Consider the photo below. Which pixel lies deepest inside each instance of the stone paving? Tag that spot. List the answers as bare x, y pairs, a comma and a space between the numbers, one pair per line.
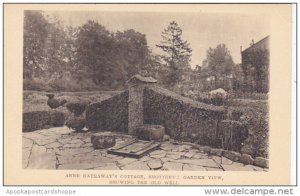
63, 149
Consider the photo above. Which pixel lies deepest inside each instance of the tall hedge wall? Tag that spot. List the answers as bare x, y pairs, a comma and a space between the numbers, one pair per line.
40, 119
109, 115
181, 116
234, 133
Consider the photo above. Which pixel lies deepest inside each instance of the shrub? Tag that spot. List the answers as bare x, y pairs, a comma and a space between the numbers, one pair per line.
260, 106
245, 95
76, 124
62, 85
68, 84
236, 114
76, 108
218, 96
35, 120
109, 115
39, 119
234, 133
56, 119
35, 84
183, 118
258, 141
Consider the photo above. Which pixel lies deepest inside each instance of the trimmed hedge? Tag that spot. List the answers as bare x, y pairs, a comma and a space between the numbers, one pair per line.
57, 119
183, 118
76, 108
40, 119
234, 133
109, 115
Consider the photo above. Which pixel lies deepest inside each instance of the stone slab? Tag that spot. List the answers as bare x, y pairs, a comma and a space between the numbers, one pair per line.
154, 164
254, 168
172, 166
188, 167
217, 159
126, 161
174, 155
145, 158
110, 166
201, 162
213, 169
54, 145
200, 155
40, 158
84, 161
167, 146
226, 161
137, 165
235, 168
27, 143
75, 151
189, 154
25, 157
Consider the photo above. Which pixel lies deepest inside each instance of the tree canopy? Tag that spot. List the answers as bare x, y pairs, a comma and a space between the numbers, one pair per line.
177, 52
86, 54
92, 57
218, 62
35, 36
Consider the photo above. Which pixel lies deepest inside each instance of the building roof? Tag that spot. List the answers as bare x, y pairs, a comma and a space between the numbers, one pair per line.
140, 78
265, 39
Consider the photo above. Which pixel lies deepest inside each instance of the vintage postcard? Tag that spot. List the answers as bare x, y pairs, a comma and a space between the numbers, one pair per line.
147, 94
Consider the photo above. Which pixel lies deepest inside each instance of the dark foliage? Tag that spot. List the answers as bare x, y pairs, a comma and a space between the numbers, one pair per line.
177, 52
40, 119
76, 108
76, 124
218, 63
89, 57
109, 115
233, 134
183, 118
256, 70
258, 141
57, 119
55, 103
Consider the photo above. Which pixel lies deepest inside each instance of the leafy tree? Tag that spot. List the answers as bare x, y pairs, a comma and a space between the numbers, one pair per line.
198, 69
218, 62
70, 45
131, 51
88, 56
95, 53
177, 51
45, 46
238, 77
153, 67
56, 50
35, 36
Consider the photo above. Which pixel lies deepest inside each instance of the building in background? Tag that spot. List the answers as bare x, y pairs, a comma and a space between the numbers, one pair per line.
255, 65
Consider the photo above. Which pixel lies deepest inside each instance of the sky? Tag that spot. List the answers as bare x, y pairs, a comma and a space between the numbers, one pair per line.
201, 30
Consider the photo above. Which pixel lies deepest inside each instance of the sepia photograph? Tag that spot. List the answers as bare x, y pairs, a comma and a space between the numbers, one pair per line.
146, 90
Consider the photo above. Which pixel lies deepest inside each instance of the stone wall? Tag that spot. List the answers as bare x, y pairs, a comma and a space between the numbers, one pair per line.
135, 107
182, 117
109, 115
